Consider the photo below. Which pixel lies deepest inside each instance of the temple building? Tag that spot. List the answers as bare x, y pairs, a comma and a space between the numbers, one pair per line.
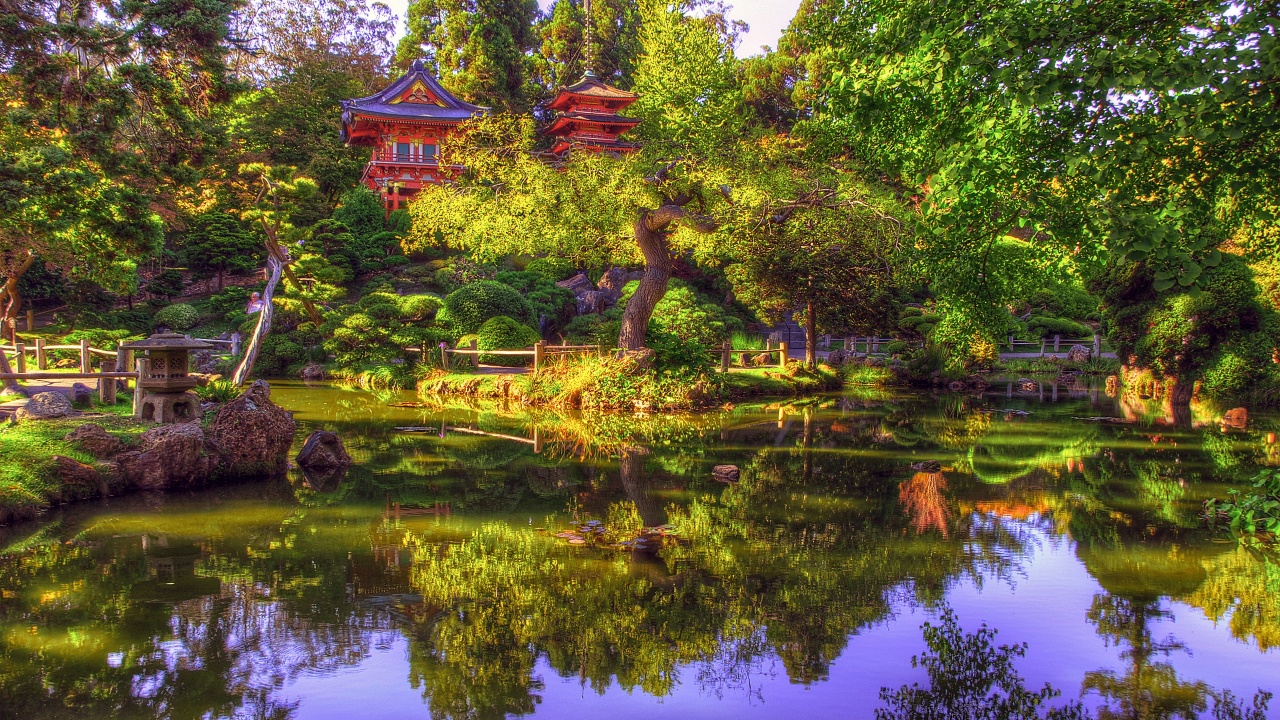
405, 125
587, 118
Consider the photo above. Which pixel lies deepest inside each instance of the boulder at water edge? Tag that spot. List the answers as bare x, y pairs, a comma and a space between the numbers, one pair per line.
1079, 354
96, 441
45, 406
725, 473
252, 434
169, 457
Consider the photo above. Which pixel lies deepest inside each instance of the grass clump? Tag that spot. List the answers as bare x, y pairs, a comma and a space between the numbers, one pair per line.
28, 482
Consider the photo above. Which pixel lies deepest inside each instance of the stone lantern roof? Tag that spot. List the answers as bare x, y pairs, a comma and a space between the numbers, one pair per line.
168, 341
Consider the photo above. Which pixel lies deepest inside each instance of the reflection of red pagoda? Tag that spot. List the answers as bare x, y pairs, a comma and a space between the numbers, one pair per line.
587, 117
405, 124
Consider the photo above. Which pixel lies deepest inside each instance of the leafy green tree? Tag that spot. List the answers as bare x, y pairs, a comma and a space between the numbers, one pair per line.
563, 56
478, 48
166, 284
1091, 130
279, 188
217, 243
831, 252
105, 113
1222, 335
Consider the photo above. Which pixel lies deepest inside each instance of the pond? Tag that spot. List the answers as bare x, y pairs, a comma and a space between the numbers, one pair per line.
491, 562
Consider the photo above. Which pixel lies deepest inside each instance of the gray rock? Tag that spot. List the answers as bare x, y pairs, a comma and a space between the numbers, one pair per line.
929, 466
579, 284
45, 406
1079, 354
252, 435
81, 395
725, 473
96, 441
312, 371
323, 451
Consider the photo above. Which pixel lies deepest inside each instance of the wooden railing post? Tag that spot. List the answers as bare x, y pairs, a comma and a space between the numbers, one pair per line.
143, 367
782, 354
1041, 347
106, 386
31, 320
84, 356
1057, 339
42, 362
538, 348
1010, 342
1097, 345
475, 358
22, 357
724, 356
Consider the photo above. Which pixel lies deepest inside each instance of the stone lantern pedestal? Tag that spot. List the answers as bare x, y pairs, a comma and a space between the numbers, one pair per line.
166, 387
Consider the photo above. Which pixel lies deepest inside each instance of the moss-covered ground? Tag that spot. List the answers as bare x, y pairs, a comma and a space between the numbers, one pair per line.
28, 483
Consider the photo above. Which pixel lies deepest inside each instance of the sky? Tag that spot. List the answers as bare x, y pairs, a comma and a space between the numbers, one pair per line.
766, 18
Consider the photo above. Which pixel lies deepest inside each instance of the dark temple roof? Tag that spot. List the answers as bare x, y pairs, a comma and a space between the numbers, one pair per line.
402, 101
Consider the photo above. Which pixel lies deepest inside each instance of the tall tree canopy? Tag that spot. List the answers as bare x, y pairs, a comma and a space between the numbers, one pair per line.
563, 54
107, 108
1139, 131
478, 48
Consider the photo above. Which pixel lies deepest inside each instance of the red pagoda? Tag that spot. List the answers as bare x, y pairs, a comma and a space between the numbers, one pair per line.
587, 118
405, 124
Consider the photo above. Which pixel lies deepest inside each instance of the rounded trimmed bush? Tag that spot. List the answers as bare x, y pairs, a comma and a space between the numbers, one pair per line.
180, 317
504, 333
471, 305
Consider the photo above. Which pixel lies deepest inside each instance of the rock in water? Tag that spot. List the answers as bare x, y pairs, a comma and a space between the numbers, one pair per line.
96, 441
725, 473
171, 456
323, 451
45, 406
929, 466
1079, 354
313, 371
81, 395
1236, 418
252, 435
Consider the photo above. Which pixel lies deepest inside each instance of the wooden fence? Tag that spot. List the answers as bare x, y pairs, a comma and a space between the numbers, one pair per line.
726, 353
540, 352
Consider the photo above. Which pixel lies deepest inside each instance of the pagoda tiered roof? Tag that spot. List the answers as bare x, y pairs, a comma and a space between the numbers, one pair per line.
417, 97
587, 117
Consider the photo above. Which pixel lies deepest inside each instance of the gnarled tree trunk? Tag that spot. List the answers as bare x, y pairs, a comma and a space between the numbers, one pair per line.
260, 331
10, 299
651, 230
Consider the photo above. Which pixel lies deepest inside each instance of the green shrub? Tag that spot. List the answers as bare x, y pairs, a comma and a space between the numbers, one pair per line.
229, 300
470, 306
168, 283
549, 300
1256, 512
135, 321
419, 308
101, 338
1041, 326
896, 347
180, 317
552, 268
504, 333
685, 356
277, 354
218, 391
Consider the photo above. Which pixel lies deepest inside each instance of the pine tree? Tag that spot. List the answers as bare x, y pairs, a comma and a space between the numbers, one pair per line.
478, 48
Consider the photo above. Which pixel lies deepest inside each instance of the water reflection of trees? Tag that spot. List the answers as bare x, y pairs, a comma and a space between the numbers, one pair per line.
119, 623
767, 568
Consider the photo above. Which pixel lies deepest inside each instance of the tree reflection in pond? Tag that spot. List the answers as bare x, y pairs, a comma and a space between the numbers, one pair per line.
827, 539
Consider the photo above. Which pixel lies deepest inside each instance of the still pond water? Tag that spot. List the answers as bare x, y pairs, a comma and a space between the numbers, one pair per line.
494, 563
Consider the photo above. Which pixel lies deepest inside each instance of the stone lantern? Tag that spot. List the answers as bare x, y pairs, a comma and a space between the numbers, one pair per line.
166, 386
